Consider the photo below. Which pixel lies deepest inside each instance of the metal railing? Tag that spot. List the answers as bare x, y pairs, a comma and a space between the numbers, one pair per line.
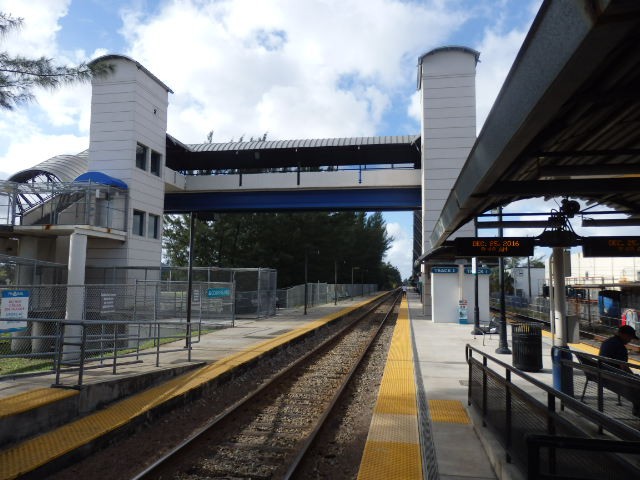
60, 203
516, 407
69, 348
585, 311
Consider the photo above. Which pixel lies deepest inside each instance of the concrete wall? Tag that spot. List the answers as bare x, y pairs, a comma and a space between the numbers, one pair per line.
455, 284
289, 180
521, 280
129, 107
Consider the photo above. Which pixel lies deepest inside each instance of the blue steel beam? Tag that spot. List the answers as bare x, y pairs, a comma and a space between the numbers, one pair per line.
365, 199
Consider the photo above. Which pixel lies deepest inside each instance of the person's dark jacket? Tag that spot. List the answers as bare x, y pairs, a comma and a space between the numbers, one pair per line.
614, 348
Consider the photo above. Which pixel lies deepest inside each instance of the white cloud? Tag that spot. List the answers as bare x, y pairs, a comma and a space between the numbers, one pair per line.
498, 50
401, 252
35, 147
37, 36
322, 68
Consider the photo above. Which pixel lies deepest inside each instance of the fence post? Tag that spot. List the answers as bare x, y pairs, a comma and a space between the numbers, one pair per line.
258, 294
115, 347
83, 343
551, 430
508, 415
135, 298
469, 391
233, 299
484, 391
533, 459
58, 352
157, 340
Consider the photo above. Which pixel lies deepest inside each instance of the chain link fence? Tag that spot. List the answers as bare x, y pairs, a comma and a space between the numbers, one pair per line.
586, 311
117, 320
255, 288
320, 293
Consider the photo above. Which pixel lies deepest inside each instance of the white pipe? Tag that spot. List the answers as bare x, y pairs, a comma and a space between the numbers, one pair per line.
559, 299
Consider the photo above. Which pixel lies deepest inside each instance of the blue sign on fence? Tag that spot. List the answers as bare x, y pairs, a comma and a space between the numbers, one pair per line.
218, 292
14, 306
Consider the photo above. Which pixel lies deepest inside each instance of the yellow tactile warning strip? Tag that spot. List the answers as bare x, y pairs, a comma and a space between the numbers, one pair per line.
448, 411
392, 450
26, 401
33, 453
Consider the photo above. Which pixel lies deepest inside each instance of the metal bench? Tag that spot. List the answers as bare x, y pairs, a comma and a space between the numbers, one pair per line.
606, 373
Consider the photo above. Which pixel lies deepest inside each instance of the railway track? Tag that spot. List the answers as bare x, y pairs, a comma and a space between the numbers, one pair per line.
595, 336
267, 433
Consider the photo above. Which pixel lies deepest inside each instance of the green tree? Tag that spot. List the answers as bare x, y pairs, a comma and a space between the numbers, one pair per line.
344, 240
19, 75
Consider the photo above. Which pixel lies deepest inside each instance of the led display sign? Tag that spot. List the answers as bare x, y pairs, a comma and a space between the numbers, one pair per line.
611, 247
494, 247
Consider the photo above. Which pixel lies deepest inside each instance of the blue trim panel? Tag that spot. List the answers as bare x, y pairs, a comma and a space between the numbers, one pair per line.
363, 199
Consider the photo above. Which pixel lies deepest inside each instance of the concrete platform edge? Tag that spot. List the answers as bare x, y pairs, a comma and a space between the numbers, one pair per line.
15, 428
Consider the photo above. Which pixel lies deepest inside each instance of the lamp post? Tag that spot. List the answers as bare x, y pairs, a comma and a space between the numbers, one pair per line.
476, 303
351, 290
503, 346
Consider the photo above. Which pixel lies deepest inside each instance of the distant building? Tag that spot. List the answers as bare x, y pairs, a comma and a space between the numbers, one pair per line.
528, 282
603, 270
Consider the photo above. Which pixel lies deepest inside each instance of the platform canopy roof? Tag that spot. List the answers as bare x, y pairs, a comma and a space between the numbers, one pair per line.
316, 152
566, 121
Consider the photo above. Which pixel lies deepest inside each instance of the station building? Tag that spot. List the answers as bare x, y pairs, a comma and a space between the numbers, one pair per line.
103, 207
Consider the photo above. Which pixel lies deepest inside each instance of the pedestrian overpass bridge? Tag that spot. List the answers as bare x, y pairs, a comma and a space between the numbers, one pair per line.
361, 173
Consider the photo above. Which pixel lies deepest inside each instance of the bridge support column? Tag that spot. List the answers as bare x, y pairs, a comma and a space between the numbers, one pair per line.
75, 293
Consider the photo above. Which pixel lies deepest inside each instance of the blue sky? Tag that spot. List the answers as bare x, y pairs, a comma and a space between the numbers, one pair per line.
292, 68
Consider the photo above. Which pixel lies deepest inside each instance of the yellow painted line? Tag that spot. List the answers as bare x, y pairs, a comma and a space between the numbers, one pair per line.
38, 451
448, 411
23, 402
393, 450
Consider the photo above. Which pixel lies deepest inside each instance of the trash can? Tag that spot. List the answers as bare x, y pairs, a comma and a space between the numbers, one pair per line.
526, 345
562, 374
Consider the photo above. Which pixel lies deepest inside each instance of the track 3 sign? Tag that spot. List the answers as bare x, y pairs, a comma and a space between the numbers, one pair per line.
218, 292
611, 247
494, 247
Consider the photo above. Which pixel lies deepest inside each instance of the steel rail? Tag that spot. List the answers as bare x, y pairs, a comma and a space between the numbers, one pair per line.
167, 457
308, 441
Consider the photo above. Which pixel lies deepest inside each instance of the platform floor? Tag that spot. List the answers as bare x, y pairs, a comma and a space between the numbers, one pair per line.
462, 451
441, 356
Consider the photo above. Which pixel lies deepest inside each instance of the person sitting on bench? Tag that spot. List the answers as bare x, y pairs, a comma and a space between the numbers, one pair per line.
615, 347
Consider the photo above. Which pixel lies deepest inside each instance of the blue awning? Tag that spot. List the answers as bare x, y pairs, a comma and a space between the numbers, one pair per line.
102, 179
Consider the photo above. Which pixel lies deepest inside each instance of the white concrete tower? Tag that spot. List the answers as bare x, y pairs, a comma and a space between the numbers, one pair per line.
127, 141
446, 79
